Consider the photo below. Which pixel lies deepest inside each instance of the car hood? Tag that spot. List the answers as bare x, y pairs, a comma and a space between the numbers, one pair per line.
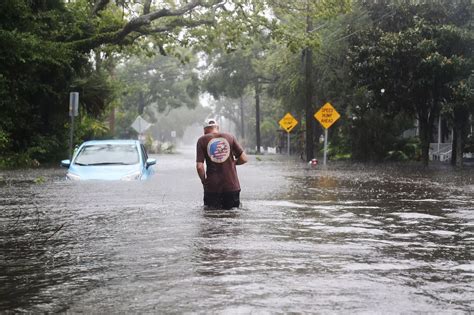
103, 172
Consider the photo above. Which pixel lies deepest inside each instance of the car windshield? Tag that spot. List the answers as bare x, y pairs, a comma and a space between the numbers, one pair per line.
105, 154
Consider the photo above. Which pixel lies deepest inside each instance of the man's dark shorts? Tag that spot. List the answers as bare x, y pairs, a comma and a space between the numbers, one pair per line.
225, 200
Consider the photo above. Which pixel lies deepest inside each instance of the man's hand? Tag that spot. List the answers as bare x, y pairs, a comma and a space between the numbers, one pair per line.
242, 159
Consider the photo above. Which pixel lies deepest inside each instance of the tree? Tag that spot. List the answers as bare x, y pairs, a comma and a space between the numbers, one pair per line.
51, 47
230, 77
459, 108
235, 110
158, 83
178, 120
406, 57
296, 28
152, 85
458, 93
36, 72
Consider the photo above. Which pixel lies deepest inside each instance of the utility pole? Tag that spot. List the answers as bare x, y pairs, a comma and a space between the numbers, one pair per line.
308, 54
242, 131
257, 114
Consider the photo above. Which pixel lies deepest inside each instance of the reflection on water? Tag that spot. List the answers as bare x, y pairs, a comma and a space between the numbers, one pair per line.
212, 256
342, 240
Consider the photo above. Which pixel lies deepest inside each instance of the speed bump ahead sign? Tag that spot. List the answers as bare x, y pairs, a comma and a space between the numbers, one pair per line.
327, 115
288, 122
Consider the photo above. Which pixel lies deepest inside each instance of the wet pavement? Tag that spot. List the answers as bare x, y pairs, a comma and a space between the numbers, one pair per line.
348, 239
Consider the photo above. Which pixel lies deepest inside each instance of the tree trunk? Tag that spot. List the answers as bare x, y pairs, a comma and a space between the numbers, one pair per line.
460, 132
425, 136
317, 133
98, 60
426, 118
459, 145
257, 114
141, 103
453, 147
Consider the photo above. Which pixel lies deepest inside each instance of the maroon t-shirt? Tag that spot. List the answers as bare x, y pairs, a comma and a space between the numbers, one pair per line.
220, 151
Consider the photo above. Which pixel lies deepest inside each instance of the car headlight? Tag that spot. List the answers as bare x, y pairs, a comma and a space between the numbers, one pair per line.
132, 176
73, 176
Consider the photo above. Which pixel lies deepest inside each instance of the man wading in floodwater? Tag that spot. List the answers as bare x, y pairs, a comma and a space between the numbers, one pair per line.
222, 153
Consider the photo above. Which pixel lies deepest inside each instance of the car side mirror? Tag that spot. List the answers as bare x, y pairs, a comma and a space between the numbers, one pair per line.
150, 162
65, 163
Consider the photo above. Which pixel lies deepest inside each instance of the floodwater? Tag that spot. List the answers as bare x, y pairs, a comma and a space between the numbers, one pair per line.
348, 239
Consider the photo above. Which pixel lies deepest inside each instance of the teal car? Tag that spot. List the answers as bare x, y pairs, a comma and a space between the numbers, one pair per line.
110, 160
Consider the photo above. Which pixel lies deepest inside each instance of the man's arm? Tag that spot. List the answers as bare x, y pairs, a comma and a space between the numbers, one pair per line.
236, 149
242, 159
201, 171
200, 156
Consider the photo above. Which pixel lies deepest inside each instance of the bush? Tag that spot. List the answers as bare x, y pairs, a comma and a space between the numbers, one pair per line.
4, 141
42, 149
396, 156
404, 150
149, 144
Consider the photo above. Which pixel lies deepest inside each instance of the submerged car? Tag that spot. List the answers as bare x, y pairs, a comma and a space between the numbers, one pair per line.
110, 160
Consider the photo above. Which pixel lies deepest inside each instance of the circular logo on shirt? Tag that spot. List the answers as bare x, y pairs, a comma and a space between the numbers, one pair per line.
218, 150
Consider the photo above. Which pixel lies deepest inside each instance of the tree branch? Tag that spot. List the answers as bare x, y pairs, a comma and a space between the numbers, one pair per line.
146, 19
174, 24
146, 7
138, 23
99, 6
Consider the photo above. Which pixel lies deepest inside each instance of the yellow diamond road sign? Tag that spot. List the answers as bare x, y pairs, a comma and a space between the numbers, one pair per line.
327, 115
288, 122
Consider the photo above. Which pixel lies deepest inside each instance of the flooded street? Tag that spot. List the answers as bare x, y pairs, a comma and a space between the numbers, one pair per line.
349, 239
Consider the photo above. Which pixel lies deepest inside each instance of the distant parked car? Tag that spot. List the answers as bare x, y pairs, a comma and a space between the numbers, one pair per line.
110, 160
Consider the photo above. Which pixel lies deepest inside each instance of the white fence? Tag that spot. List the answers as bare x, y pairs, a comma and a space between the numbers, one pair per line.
440, 152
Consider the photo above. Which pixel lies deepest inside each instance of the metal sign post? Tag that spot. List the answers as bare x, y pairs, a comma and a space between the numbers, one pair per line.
288, 144
288, 122
326, 115
73, 112
325, 146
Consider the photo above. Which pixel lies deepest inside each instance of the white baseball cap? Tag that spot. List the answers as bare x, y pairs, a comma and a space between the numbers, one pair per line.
210, 122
